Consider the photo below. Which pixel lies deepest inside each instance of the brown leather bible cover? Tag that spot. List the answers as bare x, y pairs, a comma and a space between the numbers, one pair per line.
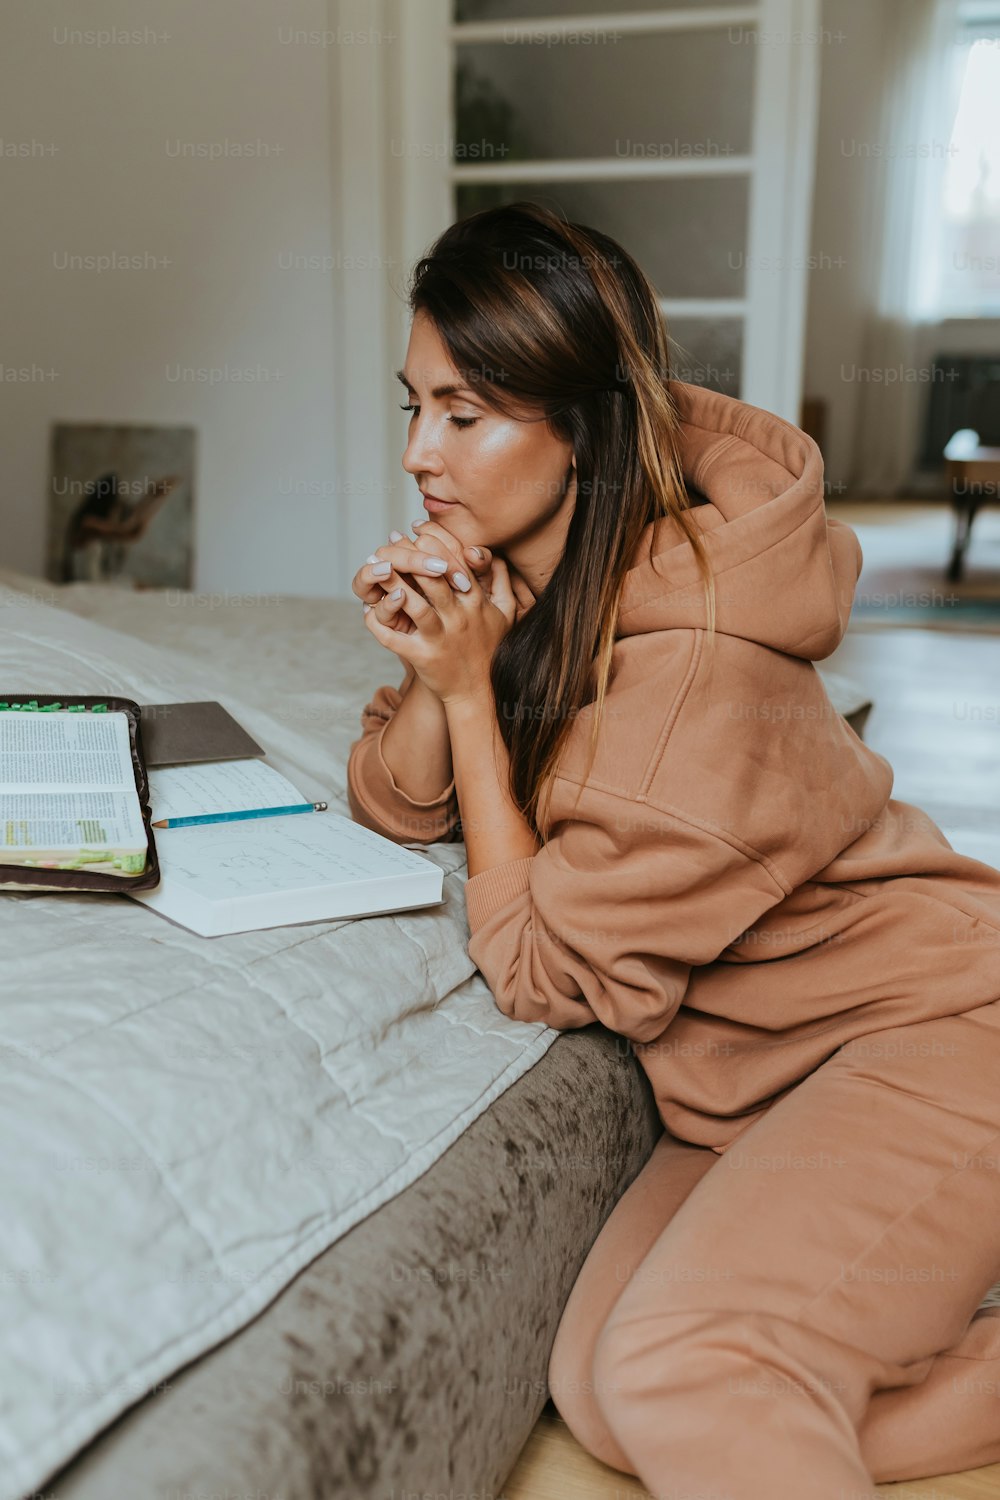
30, 877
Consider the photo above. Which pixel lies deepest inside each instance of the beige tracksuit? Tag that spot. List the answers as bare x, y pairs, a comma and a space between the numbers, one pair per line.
809, 974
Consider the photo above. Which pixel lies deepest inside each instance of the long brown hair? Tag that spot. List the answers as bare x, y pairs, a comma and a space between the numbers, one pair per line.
540, 313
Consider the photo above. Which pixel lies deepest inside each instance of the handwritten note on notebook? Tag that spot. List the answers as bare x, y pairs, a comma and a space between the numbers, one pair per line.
217, 787
234, 877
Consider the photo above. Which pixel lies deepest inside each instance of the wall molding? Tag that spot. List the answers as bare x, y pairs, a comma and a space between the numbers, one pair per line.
390, 120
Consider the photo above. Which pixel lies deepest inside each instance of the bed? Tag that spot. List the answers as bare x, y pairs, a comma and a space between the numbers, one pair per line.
391, 1341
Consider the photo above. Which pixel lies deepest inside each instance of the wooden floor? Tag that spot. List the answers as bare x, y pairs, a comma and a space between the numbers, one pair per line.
936, 693
553, 1466
936, 718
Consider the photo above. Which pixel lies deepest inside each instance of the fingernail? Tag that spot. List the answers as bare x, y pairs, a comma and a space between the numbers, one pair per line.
415, 524
462, 582
395, 596
366, 607
395, 536
477, 552
436, 565
381, 569
372, 557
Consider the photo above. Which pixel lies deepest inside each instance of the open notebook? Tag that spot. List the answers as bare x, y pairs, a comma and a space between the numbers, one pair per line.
240, 876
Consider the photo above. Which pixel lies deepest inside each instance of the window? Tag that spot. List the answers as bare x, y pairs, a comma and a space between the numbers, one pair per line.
969, 224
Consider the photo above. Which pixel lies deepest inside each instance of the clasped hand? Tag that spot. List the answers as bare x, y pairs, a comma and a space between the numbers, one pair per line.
448, 622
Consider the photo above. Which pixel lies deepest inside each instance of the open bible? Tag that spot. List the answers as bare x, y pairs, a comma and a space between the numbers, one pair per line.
68, 794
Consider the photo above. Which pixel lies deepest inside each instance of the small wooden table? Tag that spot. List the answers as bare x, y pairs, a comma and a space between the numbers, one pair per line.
977, 470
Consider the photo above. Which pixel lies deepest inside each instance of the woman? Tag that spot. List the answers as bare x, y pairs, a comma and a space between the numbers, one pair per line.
784, 1301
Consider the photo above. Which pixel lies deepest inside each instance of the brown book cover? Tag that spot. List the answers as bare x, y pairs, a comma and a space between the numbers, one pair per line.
175, 734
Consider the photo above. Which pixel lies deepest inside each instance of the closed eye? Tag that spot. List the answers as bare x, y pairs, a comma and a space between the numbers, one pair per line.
458, 421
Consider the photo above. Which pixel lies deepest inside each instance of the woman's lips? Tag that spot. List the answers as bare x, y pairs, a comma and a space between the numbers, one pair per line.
431, 504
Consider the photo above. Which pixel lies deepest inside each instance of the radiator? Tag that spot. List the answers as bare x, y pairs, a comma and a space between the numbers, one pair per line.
964, 392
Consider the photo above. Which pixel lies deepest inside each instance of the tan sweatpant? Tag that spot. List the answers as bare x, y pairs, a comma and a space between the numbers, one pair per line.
797, 1316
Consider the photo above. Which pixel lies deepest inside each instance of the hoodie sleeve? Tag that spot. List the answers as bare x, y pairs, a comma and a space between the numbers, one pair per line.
607, 920
376, 801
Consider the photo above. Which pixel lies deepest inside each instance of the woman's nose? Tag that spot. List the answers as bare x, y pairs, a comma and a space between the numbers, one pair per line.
419, 457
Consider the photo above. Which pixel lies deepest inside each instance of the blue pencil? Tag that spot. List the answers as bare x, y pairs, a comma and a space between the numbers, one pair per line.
232, 817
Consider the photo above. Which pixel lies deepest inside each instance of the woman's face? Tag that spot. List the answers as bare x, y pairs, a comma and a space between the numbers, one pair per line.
512, 479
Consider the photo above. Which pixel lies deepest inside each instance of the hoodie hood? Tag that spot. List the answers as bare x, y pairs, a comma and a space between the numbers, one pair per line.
785, 573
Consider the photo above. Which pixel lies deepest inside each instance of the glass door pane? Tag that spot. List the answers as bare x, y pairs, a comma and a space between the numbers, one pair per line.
708, 352
639, 98
517, 10
688, 234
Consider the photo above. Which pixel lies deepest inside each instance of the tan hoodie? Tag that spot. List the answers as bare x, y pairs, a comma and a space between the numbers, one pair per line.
736, 891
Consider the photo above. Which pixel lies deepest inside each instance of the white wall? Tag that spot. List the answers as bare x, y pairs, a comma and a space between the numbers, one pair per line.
205, 76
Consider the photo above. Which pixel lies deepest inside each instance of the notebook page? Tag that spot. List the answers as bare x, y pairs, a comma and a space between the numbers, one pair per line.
220, 861
66, 783
217, 786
